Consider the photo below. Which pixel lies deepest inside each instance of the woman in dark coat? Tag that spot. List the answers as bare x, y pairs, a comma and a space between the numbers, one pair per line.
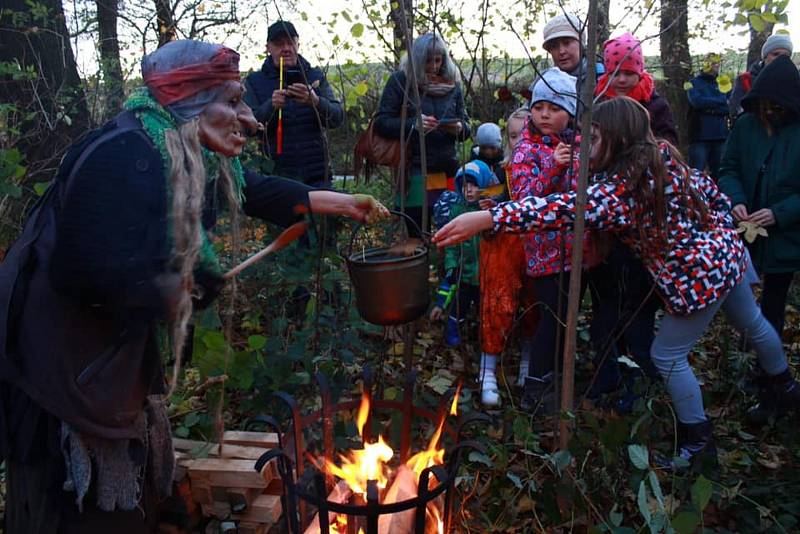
760, 171
444, 118
116, 248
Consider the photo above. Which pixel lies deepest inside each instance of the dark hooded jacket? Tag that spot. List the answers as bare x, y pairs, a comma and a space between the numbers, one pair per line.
81, 291
305, 156
763, 171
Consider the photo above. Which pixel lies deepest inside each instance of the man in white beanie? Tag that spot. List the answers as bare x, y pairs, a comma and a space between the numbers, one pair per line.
778, 44
564, 40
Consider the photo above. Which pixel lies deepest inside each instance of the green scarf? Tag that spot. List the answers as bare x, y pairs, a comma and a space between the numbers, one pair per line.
156, 120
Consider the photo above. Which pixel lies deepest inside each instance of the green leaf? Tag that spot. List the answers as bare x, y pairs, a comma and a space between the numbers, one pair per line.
181, 432
561, 460
641, 500
756, 22
256, 342
769, 17
701, 493
685, 522
357, 30
361, 88
515, 479
656, 487
639, 456
40, 187
11, 190
480, 458
190, 420
615, 516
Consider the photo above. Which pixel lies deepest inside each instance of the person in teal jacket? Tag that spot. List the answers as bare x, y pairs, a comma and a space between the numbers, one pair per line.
460, 288
760, 171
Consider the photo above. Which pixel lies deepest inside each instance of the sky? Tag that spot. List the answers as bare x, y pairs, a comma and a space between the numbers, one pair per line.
317, 37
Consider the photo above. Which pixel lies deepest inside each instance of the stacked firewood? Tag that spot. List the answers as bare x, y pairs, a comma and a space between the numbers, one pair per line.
222, 488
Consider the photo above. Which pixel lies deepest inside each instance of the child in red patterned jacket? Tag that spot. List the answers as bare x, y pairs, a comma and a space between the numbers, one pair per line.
542, 165
679, 224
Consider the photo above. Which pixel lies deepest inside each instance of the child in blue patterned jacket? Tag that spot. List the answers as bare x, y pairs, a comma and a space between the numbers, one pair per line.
679, 224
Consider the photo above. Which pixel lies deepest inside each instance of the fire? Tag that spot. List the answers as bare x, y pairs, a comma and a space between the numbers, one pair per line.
372, 463
433, 455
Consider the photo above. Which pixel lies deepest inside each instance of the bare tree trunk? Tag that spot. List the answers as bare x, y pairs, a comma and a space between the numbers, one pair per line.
400, 10
165, 18
109, 56
676, 60
757, 40
603, 24
49, 103
574, 297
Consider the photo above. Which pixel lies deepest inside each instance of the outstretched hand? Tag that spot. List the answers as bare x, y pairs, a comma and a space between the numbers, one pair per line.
462, 228
369, 209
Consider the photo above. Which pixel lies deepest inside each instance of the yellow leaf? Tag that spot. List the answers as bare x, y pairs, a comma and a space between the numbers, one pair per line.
687, 86
201, 8
724, 83
751, 230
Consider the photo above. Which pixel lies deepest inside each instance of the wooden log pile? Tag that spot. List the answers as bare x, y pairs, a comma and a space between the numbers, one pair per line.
223, 490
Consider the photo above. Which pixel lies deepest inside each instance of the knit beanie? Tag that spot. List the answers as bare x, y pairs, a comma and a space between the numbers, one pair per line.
625, 51
557, 87
476, 172
776, 41
489, 134
562, 26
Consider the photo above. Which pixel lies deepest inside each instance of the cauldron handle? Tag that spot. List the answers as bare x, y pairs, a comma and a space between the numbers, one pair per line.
393, 212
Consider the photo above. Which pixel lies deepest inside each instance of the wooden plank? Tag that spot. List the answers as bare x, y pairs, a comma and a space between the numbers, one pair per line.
230, 473
201, 493
275, 487
246, 527
265, 509
242, 496
189, 448
264, 440
218, 510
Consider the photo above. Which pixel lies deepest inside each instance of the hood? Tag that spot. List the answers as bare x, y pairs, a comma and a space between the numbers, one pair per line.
478, 170
778, 82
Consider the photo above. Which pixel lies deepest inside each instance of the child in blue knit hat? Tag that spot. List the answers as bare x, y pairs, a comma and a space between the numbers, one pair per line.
461, 282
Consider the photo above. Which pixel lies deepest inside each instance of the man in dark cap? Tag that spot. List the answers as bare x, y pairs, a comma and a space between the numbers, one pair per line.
308, 103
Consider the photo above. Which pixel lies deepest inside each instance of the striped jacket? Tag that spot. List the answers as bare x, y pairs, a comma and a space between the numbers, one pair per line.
701, 261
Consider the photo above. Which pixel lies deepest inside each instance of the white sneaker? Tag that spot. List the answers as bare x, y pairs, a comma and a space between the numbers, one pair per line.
489, 394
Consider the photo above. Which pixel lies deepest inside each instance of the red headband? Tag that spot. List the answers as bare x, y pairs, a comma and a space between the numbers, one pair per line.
175, 85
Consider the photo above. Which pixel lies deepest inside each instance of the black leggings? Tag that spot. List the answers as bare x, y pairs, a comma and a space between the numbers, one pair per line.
550, 331
773, 298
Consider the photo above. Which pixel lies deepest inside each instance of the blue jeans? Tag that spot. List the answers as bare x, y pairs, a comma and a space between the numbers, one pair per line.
678, 334
704, 154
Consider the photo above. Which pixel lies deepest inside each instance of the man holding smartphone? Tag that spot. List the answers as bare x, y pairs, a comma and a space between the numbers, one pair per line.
308, 103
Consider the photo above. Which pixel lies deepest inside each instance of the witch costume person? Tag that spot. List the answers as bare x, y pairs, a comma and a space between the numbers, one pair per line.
117, 246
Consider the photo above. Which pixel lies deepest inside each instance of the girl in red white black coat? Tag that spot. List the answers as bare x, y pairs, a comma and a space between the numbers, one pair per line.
678, 223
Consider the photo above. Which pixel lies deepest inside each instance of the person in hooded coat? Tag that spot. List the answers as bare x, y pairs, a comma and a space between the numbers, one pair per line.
760, 171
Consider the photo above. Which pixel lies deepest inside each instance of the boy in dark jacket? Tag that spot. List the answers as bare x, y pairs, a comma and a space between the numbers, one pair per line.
708, 110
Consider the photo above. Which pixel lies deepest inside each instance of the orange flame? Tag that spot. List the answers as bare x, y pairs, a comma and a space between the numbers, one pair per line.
433, 455
454, 406
368, 463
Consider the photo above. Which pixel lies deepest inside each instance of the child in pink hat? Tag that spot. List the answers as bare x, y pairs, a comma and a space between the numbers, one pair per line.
626, 76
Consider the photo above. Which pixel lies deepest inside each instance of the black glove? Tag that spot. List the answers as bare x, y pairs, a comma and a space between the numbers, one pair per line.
208, 286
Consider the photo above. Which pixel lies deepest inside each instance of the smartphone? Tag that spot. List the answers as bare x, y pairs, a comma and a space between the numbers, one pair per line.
292, 75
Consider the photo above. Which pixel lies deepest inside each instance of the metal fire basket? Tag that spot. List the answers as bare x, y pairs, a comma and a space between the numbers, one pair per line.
306, 489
